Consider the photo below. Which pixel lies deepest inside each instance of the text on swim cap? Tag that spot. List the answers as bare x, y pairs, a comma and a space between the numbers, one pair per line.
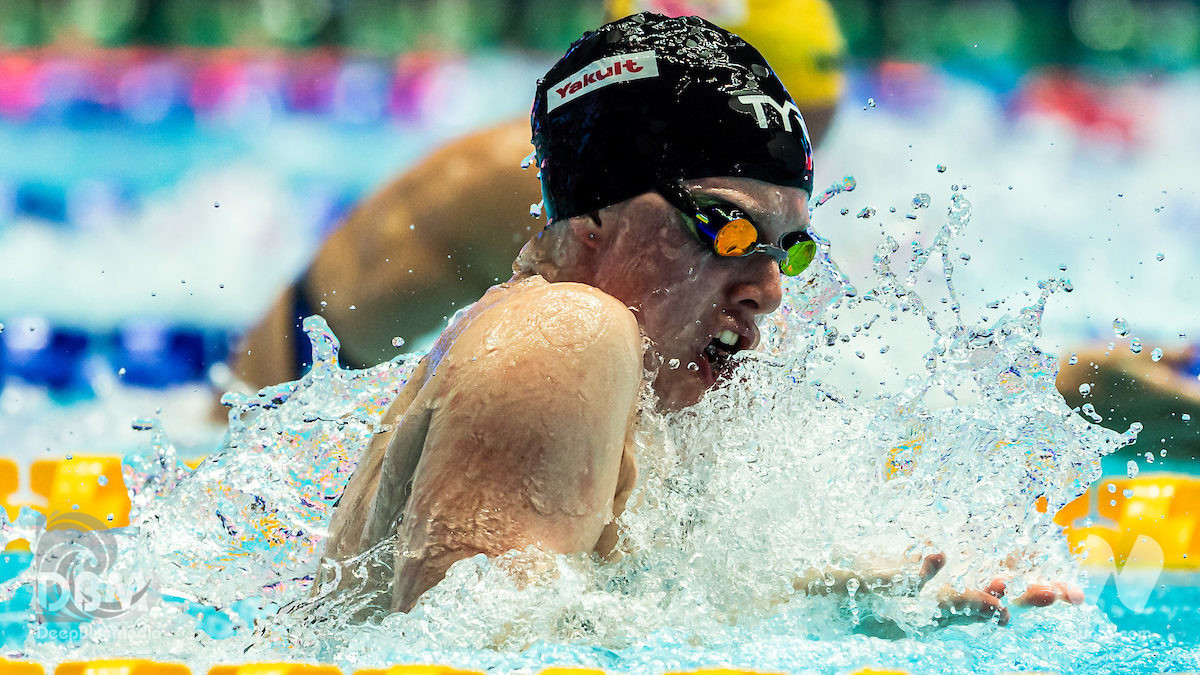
601, 73
785, 111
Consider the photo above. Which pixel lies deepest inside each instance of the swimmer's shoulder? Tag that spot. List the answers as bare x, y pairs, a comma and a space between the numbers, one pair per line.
568, 327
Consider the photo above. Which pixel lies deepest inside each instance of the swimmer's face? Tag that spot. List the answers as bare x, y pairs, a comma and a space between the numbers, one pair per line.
684, 296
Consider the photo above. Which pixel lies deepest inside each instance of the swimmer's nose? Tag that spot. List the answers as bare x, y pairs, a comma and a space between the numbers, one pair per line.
761, 289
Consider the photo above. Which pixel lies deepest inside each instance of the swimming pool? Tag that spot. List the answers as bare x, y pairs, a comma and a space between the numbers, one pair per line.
578, 619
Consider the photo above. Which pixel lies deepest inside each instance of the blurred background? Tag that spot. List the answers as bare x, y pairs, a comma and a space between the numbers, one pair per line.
167, 166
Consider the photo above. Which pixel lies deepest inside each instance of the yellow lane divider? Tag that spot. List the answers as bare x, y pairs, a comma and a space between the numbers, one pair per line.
147, 667
274, 669
448, 670
1160, 508
122, 667
88, 485
21, 668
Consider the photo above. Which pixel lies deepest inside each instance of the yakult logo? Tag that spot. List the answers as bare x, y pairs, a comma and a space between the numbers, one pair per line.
600, 73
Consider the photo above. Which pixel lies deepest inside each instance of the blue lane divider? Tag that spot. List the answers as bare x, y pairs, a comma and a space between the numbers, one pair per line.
150, 354
40, 353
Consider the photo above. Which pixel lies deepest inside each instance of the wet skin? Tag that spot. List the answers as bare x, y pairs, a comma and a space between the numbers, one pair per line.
514, 430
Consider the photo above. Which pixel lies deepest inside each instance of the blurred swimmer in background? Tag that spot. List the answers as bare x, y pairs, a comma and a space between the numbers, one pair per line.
665, 241
435, 238
1162, 394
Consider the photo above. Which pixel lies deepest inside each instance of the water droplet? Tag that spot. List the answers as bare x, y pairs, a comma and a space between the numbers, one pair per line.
1112, 488
1186, 417
142, 424
848, 183
1062, 267
870, 103
1131, 469
535, 210
1156, 354
845, 211
413, 226
102, 480
121, 372
867, 212
692, 366
920, 200
1128, 492
353, 307
1159, 257
525, 163
220, 285
859, 353
673, 364
965, 257
1162, 453
1073, 360
1135, 345
397, 342
216, 205
1, 328
1120, 327
941, 168
1085, 389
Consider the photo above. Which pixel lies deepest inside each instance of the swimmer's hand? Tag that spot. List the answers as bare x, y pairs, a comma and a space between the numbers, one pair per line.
955, 606
870, 578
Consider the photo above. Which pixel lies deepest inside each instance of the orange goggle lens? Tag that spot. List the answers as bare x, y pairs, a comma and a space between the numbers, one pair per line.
736, 238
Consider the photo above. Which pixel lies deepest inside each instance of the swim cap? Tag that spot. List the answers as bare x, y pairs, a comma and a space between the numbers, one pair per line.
800, 38
648, 100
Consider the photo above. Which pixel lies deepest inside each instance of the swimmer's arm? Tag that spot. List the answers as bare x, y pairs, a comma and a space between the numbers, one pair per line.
526, 445
956, 606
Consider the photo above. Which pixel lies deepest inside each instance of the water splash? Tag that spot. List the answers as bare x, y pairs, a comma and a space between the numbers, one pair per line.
847, 184
770, 477
1120, 327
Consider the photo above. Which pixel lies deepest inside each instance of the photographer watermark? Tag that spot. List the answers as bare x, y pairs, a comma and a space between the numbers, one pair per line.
1135, 582
78, 576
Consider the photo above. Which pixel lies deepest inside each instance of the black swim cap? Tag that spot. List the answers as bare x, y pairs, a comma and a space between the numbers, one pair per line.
648, 100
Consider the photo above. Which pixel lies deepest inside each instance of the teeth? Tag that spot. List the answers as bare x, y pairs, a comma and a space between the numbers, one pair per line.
728, 337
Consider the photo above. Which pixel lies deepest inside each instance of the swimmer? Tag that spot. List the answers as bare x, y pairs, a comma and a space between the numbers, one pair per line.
1124, 387
665, 241
439, 235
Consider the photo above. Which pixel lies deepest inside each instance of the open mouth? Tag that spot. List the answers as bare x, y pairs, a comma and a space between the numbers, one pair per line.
719, 352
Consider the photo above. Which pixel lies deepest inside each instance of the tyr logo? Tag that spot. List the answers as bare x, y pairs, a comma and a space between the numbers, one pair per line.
785, 110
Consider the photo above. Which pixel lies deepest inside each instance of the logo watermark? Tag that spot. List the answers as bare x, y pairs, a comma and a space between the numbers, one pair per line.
78, 576
1136, 581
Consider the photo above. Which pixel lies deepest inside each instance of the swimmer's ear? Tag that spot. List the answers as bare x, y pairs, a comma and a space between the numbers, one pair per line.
589, 229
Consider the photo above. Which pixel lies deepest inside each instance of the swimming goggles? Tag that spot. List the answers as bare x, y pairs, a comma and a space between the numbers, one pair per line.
728, 232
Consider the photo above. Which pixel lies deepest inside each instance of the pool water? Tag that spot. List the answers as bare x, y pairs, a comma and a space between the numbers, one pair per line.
902, 372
